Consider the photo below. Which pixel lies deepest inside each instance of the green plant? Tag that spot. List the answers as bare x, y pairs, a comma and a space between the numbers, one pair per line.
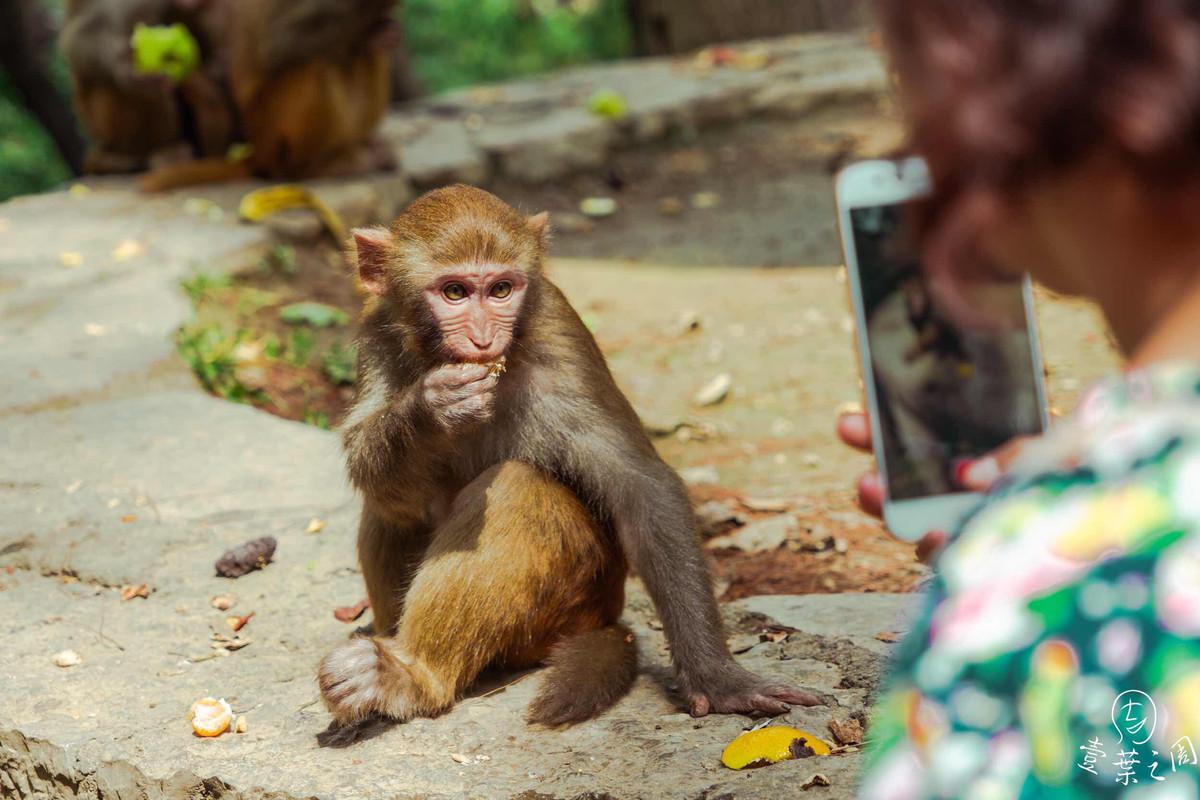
318, 418
200, 285
299, 347
209, 351
341, 363
281, 257
460, 42
29, 161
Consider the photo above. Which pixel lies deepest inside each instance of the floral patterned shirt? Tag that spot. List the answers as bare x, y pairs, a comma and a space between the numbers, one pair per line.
1059, 651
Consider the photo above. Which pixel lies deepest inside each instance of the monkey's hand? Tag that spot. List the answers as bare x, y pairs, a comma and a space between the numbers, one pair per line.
458, 394
733, 690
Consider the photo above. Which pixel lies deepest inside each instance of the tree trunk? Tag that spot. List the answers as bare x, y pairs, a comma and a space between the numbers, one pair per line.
662, 27
24, 40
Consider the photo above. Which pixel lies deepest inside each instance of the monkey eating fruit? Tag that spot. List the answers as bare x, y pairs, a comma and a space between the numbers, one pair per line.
499, 515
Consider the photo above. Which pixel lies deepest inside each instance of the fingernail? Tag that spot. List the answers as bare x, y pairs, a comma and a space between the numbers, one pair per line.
980, 474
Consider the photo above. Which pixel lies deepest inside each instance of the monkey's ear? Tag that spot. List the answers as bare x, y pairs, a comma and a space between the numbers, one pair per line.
539, 224
373, 248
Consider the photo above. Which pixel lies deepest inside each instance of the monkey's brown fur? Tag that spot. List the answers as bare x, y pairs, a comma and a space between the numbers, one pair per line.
310, 87
130, 116
505, 541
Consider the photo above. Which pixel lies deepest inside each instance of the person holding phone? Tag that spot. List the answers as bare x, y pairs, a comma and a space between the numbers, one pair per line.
1058, 652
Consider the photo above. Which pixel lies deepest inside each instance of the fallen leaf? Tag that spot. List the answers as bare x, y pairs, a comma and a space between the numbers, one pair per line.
130, 591
704, 200
696, 476
715, 391
237, 623
849, 732
127, 249
598, 206
760, 536
772, 504
223, 602
315, 525
129, 518
70, 258
888, 636
459, 758
67, 658
224, 645
351, 613
670, 206
816, 780
246, 557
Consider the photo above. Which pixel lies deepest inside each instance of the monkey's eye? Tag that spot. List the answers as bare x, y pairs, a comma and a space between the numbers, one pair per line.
454, 291
501, 290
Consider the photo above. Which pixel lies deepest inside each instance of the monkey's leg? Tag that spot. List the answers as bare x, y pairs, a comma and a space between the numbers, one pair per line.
389, 555
519, 571
125, 128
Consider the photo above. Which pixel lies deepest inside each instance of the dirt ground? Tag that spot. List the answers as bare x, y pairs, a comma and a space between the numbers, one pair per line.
720, 259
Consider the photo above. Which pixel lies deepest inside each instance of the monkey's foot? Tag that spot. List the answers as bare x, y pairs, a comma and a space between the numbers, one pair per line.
738, 691
362, 678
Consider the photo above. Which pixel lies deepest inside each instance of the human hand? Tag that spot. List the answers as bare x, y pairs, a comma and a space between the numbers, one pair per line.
854, 428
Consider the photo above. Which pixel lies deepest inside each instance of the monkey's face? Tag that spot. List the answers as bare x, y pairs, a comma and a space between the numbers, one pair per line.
476, 307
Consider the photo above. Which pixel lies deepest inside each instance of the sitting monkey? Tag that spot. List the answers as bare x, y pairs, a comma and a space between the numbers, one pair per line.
499, 510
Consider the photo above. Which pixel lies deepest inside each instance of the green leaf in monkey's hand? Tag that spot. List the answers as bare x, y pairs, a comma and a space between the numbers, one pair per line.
169, 50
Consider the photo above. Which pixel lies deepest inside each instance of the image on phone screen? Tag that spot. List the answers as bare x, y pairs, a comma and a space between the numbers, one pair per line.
944, 392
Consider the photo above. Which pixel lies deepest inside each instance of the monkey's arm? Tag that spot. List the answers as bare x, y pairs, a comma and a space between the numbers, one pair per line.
382, 433
649, 508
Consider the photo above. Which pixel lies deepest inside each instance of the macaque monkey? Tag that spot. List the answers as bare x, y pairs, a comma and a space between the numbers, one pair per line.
506, 483
130, 116
310, 81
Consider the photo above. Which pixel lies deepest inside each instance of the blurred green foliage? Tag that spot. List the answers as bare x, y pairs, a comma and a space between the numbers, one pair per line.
462, 42
29, 162
452, 43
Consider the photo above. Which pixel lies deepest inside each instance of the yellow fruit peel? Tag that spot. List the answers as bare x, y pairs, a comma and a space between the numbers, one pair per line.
262, 203
771, 745
210, 716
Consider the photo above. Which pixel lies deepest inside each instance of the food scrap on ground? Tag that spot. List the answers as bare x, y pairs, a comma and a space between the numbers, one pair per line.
67, 658
210, 716
770, 745
247, 557
223, 602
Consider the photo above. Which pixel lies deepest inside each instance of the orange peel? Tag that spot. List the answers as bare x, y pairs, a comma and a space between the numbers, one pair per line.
770, 745
210, 716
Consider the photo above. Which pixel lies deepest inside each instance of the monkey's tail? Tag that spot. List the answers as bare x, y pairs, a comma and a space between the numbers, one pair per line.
588, 673
195, 173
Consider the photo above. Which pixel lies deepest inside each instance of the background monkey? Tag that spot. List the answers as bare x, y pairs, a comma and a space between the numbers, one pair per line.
131, 116
499, 510
310, 80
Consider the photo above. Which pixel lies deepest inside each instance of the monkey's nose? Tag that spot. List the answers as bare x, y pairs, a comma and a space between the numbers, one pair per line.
481, 342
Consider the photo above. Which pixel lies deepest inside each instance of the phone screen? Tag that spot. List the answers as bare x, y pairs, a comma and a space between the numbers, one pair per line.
945, 392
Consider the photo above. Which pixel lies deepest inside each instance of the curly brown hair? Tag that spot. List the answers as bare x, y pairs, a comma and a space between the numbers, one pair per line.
1000, 93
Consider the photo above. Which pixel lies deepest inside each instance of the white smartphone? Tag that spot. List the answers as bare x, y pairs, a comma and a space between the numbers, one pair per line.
939, 393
